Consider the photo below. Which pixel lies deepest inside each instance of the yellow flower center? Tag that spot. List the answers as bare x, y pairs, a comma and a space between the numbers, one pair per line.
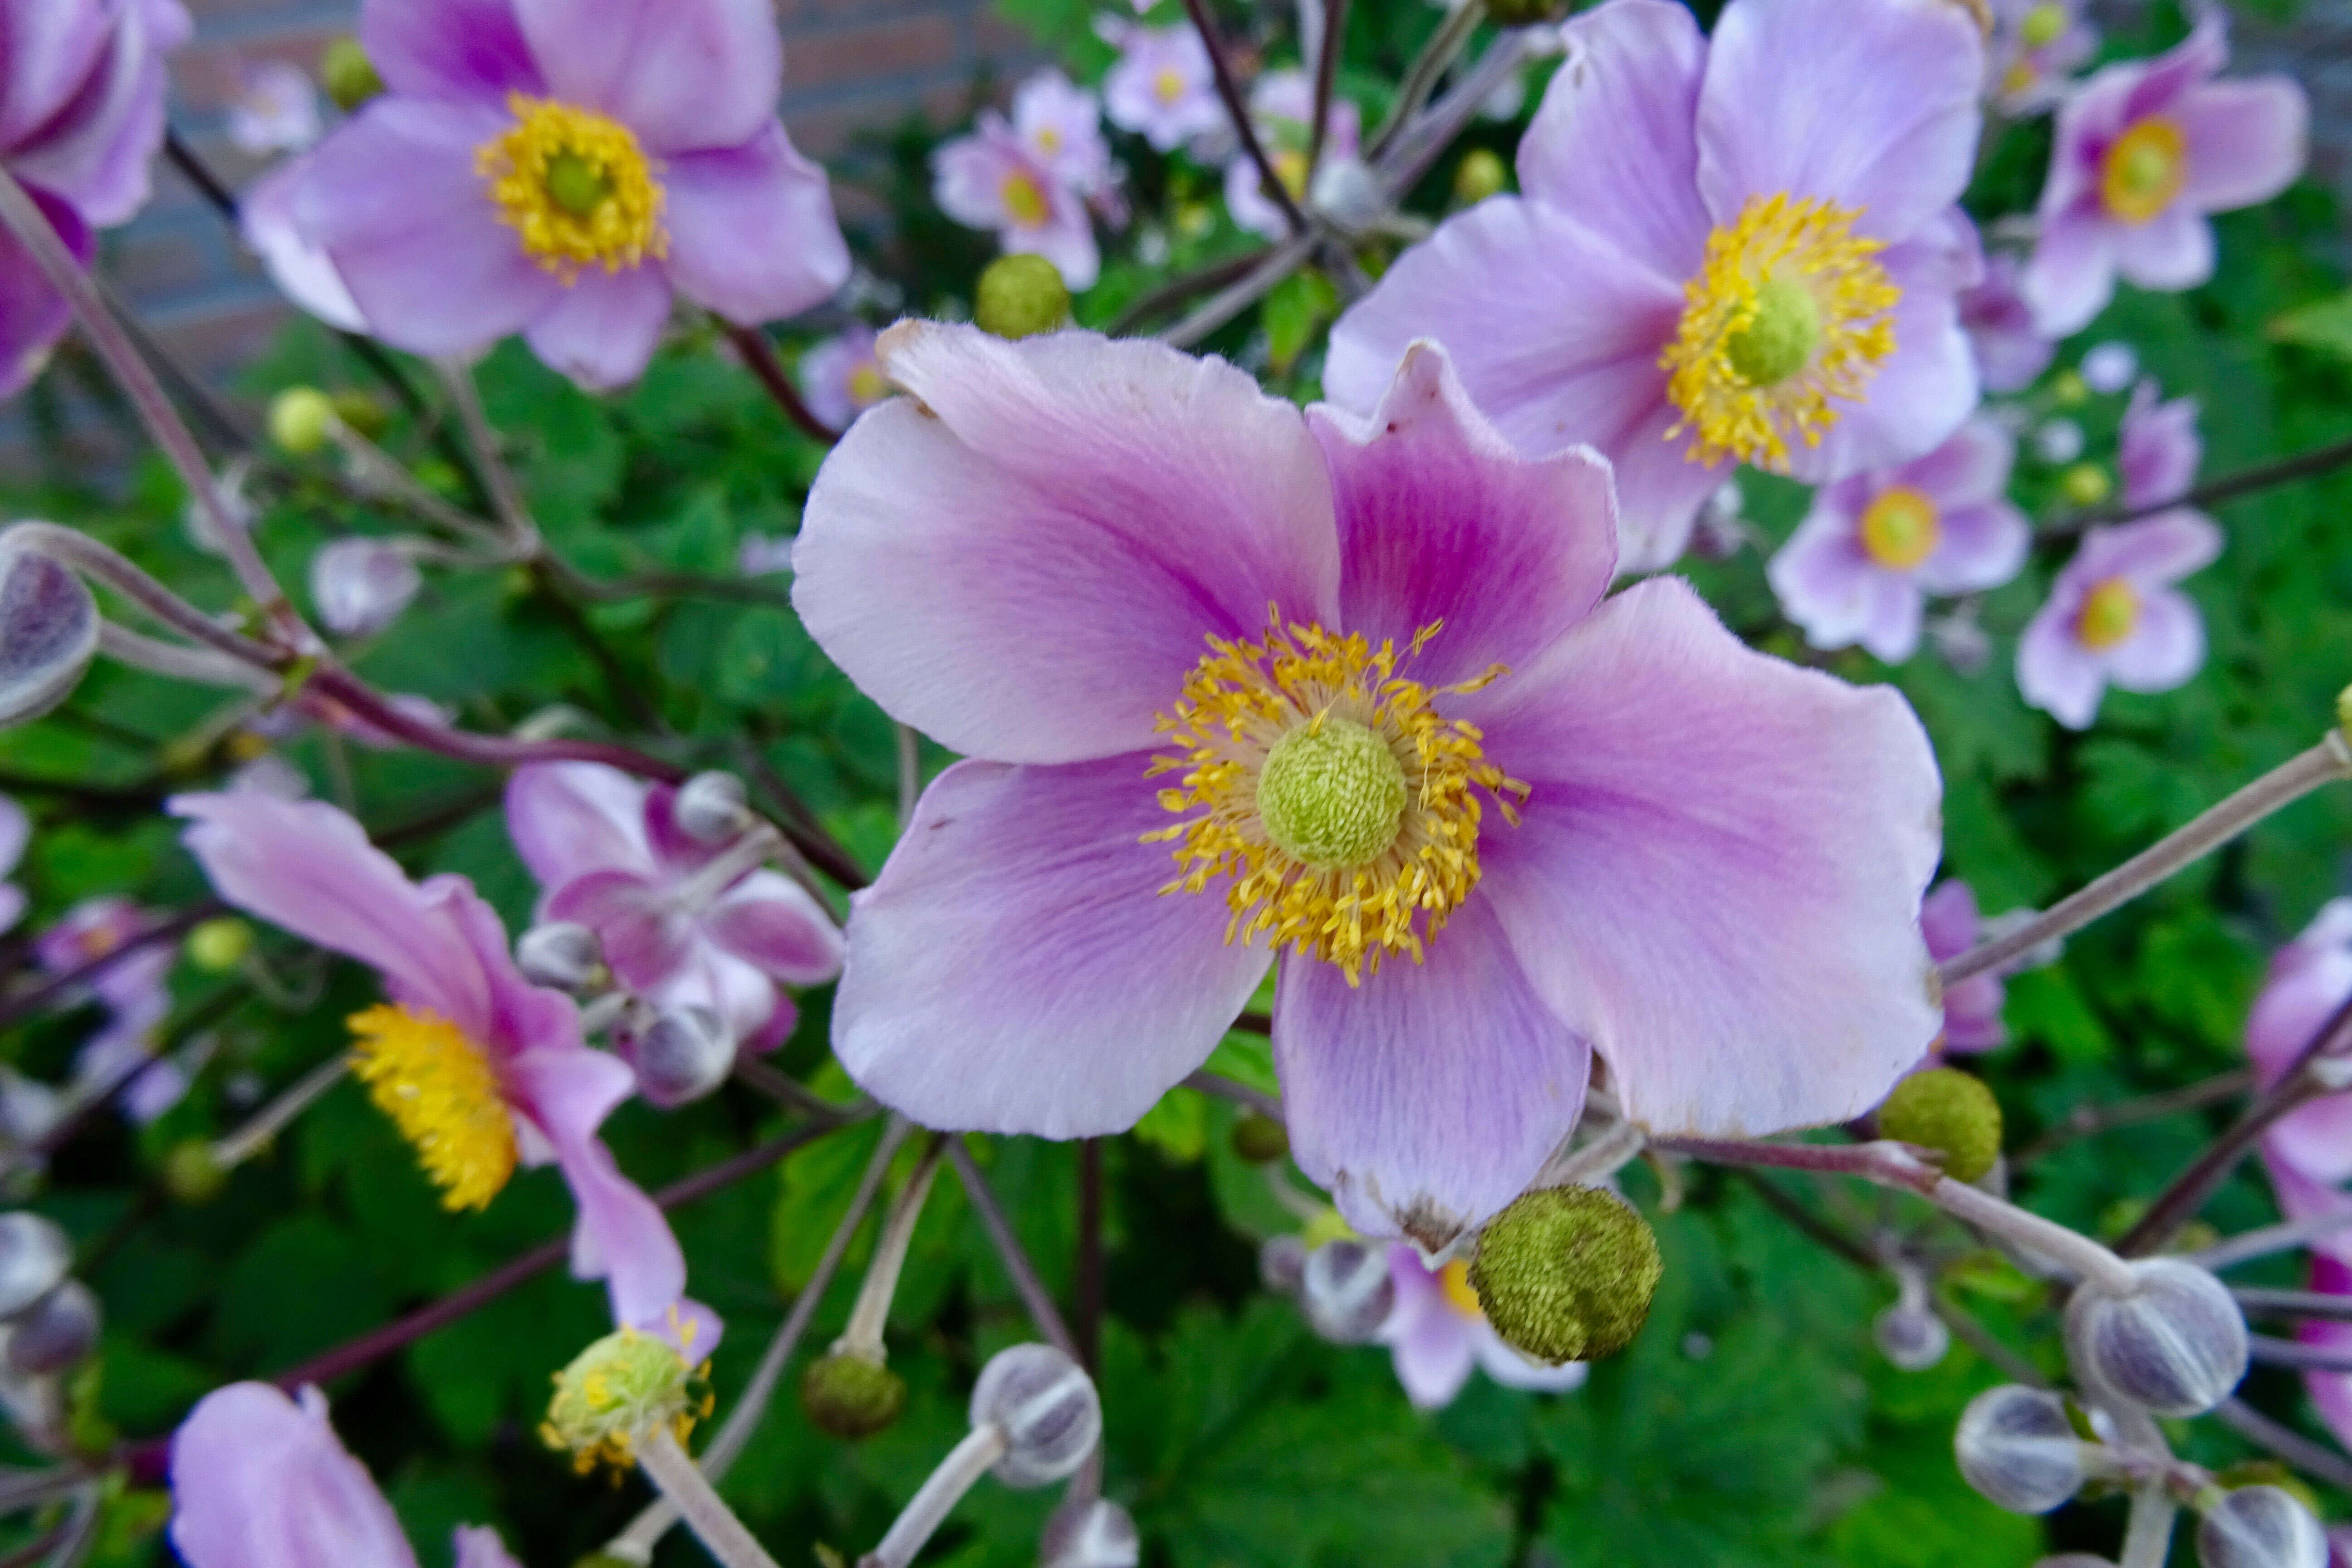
1291, 168
1899, 529
1025, 203
1343, 807
866, 386
2042, 27
1454, 1279
2019, 77
2086, 484
575, 186
440, 1091
1788, 311
1049, 140
2143, 169
1169, 84
2109, 612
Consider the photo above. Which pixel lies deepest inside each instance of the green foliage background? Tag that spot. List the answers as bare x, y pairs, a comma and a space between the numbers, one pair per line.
1751, 1424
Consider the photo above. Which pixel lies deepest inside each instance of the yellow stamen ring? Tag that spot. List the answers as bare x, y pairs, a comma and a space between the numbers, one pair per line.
1788, 311
441, 1092
2109, 615
1900, 528
1342, 807
2145, 168
575, 186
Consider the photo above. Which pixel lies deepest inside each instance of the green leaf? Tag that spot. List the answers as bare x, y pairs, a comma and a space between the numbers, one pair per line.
1295, 308
2323, 324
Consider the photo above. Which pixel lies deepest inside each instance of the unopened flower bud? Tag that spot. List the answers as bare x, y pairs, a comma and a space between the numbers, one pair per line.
1566, 1273
2109, 368
850, 1396
2086, 484
361, 412
615, 1393
361, 585
1045, 1405
193, 1173
2058, 440
34, 1257
1282, 1264
56, 1331
1096, 1533
2261, 1527
1346, 192
711, 809
219, 945
562, 955
2016, 1446
1020, 296
684, 1054
301, 419
1911, 1336
348, 74
2177, 1345
1347, 1292
1950, 1112
48, 634
1481, 174
2069, 390
1260, 1139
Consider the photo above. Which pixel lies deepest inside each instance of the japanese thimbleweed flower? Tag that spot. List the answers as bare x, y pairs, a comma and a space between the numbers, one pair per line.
1028, 177
259, 1480
1972, 1008
2114, 615
1163, 87
2146, 149
561, 168
1737, 249
1861, 565
82, 117
1239, 682
2036, 45
839, 378
2308, 1151
1282, 110
1437, 1334
479, 1069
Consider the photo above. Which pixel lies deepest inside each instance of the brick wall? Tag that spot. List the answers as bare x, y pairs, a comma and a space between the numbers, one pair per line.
848, 65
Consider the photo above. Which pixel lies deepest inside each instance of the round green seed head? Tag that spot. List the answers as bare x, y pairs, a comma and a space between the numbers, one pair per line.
1779, 342
191, 1174
1566, 1273
1260, 1140
219, 945
849, 1396
2086, 484
300, 418
1482, 173
1950, 1112
1331, 794
361, 412
576, 185
614, 1394
349, 75
1021, 296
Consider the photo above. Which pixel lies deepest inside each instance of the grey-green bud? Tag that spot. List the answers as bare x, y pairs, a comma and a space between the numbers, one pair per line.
56, 1331
349, 75
1020, 296
562, 955
711, 809
849, 1396
1047, 1408
2261, 1527
34, 1257
193, 1173
2177, 1345
48, 634
2017, 1448
1566, 1273
683, 1055
1282, 1264
1347, 1292
301, 418
1260, 1139
1950, 1112
1911, 1336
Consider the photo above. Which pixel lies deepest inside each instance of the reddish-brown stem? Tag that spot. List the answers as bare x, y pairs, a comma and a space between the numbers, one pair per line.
2214, 492
759, 357
1326, 72
1229, 90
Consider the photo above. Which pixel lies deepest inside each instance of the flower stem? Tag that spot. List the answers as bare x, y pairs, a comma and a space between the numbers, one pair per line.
862, 1336
2315, 1459
2324, 764
2233, 1250
1327, 71
758, 356
272, 1118
957, 1473
1429, 68
2213, 492
705, 1512
71, 548
1229, 90
1025, 1280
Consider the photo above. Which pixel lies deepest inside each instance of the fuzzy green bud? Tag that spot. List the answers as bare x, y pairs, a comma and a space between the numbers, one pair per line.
349, 75
2086, 484
1950, 1112
219, 945
615, 1393
192, 1172
1566, 1273
1021, 296
849, 1396
1260, 1139
301, 419
2069, 390
361, 412
1481, 174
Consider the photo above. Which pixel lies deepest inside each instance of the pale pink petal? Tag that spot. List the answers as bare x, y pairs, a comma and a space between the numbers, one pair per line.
1430, 1342
259, 1481
1823, 578
1015, 969
773, 922
2171, 251
1718, 876
2166, 647
2055, 672
568, 819
479, 1546
752, 230
1512, 1370
2071, 275
470, 50
685, 75
1025, 558
2247, 141
1978, 547
603, 329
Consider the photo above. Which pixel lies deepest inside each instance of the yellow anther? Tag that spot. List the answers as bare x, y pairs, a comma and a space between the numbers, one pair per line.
2144, 170
441, 1092
2110, 612
574, 186
1899, 528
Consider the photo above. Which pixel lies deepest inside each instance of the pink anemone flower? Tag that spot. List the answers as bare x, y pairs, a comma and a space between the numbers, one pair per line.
1437, 1334
2114, 617
1237, 679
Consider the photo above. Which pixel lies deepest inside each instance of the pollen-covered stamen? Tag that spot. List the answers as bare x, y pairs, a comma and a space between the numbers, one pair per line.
2145, 168
441, 1092
1788, 311
2110, 613
1341, 808
1453, 1280
575, 186
1024, 200
1900, 528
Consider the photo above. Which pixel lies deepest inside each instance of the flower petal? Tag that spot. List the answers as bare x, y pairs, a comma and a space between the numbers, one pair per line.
685, 75
752, 230
1427, 1098
1978, 547
1429, 1342
567, 819
272, 219
1823, 578
259, 1481
1440, 521
2247, 141
2171, 251
1871, 106
52, 52
643, 936
395, 199
2166, 648
479, 1546
1718, 878
2154, 551
771, 922
1512, 1370
2071, 275
2055, 672
33, 315
1971, 467
1014, 969
466, 50
1024, 559
1613, 144
601, 330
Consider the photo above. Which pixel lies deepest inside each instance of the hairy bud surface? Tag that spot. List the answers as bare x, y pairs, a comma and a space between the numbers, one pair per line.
2176, 1346
1566, 1273
2017, 1448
